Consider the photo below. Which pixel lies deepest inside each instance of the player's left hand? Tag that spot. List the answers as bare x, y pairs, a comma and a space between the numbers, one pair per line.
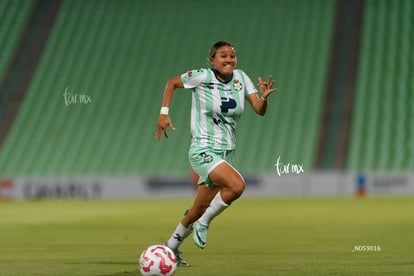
265, 88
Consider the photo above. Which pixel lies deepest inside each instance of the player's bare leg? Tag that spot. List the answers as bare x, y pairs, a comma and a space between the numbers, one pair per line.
202, 200
184, 228
231, 185
229, 180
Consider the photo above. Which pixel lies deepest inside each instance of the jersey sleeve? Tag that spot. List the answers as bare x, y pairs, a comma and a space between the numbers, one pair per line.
249, 86
193, 78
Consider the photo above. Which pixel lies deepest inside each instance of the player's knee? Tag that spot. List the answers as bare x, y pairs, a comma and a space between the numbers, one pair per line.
237, 188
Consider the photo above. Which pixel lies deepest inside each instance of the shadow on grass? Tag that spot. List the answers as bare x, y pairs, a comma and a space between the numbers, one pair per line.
127, 265
135, 272
114, 263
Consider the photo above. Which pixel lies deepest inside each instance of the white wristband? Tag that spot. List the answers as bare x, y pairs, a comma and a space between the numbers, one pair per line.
261, 97
164, 110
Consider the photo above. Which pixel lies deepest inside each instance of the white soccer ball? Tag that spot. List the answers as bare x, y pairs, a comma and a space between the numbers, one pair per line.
157, 260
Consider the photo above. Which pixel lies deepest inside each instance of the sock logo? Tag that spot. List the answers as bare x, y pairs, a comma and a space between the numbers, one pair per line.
178, 237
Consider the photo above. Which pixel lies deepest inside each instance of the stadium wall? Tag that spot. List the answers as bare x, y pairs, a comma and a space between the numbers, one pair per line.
271, 185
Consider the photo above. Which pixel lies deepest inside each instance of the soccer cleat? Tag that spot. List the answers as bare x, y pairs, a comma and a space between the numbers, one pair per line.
200, 234
179, 256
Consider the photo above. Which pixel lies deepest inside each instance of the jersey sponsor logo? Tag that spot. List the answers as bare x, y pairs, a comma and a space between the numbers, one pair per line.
227, 104
212, 85
218, 121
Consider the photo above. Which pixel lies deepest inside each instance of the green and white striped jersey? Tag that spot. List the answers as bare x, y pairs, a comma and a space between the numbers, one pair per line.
216, 107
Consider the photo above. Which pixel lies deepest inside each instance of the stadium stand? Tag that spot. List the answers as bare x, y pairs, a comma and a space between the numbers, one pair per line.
13, 16
334, 130
382, 128
116, 56
21, 65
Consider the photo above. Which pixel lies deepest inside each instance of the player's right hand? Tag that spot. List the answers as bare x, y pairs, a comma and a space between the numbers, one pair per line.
164, 121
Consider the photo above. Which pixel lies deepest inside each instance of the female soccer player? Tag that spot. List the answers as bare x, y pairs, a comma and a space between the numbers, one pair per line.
217, 104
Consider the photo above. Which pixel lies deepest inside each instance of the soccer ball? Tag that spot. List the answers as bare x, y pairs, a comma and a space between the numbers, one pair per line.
157, 260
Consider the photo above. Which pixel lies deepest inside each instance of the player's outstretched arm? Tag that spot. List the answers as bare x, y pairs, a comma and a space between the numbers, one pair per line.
259, 101
164, 120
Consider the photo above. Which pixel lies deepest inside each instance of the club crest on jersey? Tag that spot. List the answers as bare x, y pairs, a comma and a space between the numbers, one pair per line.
189, 74
207, 158
237, 85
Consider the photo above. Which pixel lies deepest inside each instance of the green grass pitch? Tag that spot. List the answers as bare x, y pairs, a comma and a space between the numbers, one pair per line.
270, 236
